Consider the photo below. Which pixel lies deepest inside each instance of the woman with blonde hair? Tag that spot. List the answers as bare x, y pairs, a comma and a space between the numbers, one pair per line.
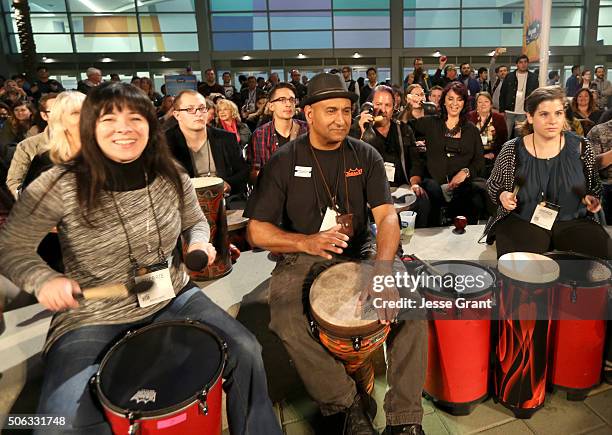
228, 119
64, 136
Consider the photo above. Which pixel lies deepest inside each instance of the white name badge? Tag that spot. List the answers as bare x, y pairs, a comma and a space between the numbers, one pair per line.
545, 215
390, 171
303, 171
161, 290
485, 139
329, 220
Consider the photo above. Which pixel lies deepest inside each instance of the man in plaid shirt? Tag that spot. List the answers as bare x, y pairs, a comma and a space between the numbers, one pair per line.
282, 129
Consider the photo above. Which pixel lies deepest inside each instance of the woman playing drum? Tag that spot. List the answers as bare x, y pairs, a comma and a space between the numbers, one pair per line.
558, 186
119, 207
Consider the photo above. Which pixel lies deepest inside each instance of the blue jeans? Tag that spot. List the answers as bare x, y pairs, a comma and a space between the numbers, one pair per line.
76, 356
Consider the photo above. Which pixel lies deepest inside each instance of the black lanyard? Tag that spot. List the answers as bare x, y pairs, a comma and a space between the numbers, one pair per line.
135, 265
541, 186
340, 173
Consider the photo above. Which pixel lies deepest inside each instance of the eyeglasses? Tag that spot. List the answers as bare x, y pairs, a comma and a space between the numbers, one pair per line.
284, 100
193, 110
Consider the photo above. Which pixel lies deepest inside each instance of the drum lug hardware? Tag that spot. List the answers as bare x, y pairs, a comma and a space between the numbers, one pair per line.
573, 293
356, 343
314, 330
134, 425
203, 404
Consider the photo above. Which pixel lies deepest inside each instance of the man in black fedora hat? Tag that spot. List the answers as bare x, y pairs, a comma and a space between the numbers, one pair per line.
311, 204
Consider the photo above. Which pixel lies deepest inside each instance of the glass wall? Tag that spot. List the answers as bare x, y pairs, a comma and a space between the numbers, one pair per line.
108, 26
289, 24
484, 23
604, 29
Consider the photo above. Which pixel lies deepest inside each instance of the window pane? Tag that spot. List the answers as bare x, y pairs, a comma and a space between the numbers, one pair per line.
605, 16
431, 4
53, 43
493, 18
237, 5
605, 34
491, 37
564, 37
292, 5
362, 4
567, 17
361, 20
14, 43
116, 6
297, 40
167, 6
168, 23
38, 5
362, 39
170, 42
240, 41
431, 38
44, 23
300, 20
107, 43
431, 19
104, 23
240, 21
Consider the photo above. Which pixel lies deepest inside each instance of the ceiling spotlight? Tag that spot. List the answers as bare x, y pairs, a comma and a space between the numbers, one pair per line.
436, 53
46, 59
246, 57
165, 59
106, 60
356, 55
301, 56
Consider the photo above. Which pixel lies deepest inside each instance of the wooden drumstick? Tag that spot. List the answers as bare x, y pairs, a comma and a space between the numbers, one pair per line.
518, 183
114, 290
428, 265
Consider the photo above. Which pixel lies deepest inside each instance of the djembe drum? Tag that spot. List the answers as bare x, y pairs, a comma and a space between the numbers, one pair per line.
349, 336
209, 191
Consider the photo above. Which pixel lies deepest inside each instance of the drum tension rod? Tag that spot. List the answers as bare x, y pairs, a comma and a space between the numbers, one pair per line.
356, 343
134, 425
574, 292
202, 399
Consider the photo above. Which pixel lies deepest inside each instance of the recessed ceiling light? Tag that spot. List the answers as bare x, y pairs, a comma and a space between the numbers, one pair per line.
106, 60
436, 53
356, 55
165, 59
301, 56
246, 57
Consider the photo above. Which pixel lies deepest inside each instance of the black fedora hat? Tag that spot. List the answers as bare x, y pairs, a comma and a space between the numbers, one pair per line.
325, 86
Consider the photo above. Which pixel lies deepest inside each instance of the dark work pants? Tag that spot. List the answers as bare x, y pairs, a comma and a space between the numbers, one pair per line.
583, 236
324, 376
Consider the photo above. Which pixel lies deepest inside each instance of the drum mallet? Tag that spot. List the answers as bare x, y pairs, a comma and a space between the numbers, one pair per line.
114, 290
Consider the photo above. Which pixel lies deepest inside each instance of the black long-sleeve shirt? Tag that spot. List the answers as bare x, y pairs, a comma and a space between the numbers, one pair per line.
447, 156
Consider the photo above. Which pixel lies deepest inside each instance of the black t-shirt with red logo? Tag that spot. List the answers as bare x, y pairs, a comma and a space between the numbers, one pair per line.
290, 191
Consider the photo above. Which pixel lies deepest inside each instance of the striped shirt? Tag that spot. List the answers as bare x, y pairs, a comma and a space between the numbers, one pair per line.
264, 142
98, 255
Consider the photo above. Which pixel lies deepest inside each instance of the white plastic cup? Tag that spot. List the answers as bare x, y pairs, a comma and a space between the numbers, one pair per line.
407, 221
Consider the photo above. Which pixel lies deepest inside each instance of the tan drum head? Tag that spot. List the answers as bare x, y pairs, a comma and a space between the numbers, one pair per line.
334, 295
235, 220
528, 267
200, 182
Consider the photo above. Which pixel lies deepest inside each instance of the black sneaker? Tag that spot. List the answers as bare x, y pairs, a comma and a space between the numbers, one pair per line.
357, 421
407, 429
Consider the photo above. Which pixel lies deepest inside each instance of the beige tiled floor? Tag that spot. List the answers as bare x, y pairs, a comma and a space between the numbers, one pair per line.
558, 417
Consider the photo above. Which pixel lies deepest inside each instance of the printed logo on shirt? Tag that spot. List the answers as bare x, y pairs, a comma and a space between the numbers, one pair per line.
353, 172
303, 171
